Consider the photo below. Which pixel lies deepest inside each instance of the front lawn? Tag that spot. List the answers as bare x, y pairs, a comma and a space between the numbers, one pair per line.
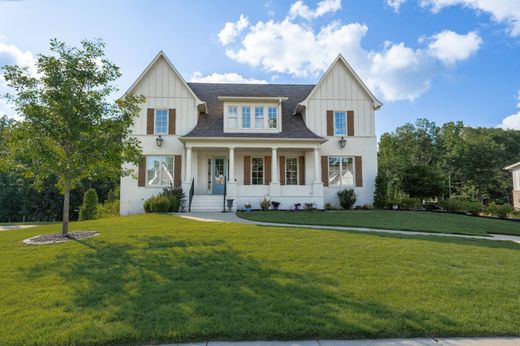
388, 219
160, 278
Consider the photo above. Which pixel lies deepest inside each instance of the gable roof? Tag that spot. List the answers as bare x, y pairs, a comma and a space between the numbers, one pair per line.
212, 123
340, 59
513, 166
201, 104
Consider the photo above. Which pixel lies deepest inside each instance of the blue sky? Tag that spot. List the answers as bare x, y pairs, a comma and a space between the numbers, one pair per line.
440, 59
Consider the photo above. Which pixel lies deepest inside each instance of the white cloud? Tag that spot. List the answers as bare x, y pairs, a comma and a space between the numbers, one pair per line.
325, 6
450, 47
224, 78
397, 72
502, 11
232, 30
512, 122
395, 5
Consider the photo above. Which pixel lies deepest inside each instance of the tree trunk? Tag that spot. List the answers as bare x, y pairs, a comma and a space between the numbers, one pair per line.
66, 197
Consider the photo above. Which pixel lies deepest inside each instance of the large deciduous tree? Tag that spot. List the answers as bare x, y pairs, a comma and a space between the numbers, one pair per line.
70, 129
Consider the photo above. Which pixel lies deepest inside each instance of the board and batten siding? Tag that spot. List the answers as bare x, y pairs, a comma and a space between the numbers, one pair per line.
340, 91
163, 89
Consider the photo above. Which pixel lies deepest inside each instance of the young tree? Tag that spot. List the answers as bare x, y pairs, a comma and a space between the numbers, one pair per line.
70, 128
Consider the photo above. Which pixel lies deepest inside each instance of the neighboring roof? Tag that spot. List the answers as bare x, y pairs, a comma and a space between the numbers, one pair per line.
212, 123
513, 166
157, 57
375, 102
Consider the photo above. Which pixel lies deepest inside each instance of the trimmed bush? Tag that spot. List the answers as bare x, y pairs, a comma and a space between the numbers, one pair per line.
175, 195
265, 203
472, 207
157, 204
410, 203
107, 209
500, 210
452, 205
347, 198
87, 211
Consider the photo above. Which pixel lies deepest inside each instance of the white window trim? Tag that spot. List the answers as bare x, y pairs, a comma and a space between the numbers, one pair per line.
263, 170
252, 128
353, 171
155, 121
334, 123
146, 171
297, 169
229, 117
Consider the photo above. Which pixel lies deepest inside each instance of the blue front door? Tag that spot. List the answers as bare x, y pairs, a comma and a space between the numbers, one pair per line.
218, 175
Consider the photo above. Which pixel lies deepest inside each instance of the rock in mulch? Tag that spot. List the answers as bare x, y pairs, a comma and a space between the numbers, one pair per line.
58, 238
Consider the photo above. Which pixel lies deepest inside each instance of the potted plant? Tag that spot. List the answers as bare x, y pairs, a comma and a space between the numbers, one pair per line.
275, 205
297, 206
265, 203
247, 207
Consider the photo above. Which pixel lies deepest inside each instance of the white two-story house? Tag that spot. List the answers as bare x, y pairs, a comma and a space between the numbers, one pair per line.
284, 142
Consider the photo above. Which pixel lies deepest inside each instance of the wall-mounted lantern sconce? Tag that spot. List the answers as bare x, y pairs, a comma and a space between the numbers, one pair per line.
342, 142
159, 140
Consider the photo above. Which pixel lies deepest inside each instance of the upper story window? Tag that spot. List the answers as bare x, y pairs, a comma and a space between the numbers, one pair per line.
233, 117
273, 117
259, 117
161, 121
246, 117
340, 124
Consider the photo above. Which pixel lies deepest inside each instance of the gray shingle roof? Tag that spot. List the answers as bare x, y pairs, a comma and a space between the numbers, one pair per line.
211, 124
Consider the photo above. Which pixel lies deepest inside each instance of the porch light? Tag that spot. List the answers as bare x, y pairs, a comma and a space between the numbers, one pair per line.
159, 140
342, 142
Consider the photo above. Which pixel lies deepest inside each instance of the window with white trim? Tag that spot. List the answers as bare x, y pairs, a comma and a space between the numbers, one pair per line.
161, 121
257, 171
233, 117
273, 117
159, 170
259, 117
341, 171
340, 124
246, 117
291, 171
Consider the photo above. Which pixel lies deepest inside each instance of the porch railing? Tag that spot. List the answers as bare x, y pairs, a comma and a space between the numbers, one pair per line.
190, 195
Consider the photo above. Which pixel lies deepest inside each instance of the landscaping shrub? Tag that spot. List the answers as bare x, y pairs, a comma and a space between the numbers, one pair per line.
157, 204
452, 205
500, 210
431, 206
347, 198
87, 210
265, 203
275, 205
308, 206
175, 195
329, 206
410, 203
472, 207
107, 209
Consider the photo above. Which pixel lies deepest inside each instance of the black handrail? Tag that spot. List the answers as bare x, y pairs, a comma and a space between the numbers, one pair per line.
192, 191
225, 192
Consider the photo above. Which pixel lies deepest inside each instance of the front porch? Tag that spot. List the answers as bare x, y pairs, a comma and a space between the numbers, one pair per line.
284, 172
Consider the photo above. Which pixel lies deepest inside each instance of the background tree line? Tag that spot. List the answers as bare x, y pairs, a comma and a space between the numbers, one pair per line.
423, 160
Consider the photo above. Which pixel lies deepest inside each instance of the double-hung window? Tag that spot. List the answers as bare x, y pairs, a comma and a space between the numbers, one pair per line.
291, 171
259, 117
341, 171
233, 117
273, 117
159, 170
257, 171
161, 121
246, 117
340, 124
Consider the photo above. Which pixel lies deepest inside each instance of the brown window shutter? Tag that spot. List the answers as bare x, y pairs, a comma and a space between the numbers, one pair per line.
247, 170
177, 169
141, 172
350, 123
150, 121
301, 169
330, 123
267, 170
282, 170
325, 170
171, 121
358, 163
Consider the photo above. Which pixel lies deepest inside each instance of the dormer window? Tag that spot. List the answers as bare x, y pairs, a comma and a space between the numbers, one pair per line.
252, 114
259, 117
246, 117
273, 118
233, 117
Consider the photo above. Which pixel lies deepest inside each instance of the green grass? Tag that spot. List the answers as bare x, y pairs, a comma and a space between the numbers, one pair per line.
387, 219
160, 278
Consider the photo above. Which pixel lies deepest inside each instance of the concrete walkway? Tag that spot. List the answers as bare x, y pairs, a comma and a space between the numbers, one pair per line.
379, 342
232, 217
11, 228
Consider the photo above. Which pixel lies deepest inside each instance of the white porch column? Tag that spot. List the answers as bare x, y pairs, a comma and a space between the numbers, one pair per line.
231, 173
188, 165
317, 165
274, 165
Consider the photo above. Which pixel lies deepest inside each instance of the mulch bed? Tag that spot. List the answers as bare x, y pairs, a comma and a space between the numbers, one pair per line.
58, 238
